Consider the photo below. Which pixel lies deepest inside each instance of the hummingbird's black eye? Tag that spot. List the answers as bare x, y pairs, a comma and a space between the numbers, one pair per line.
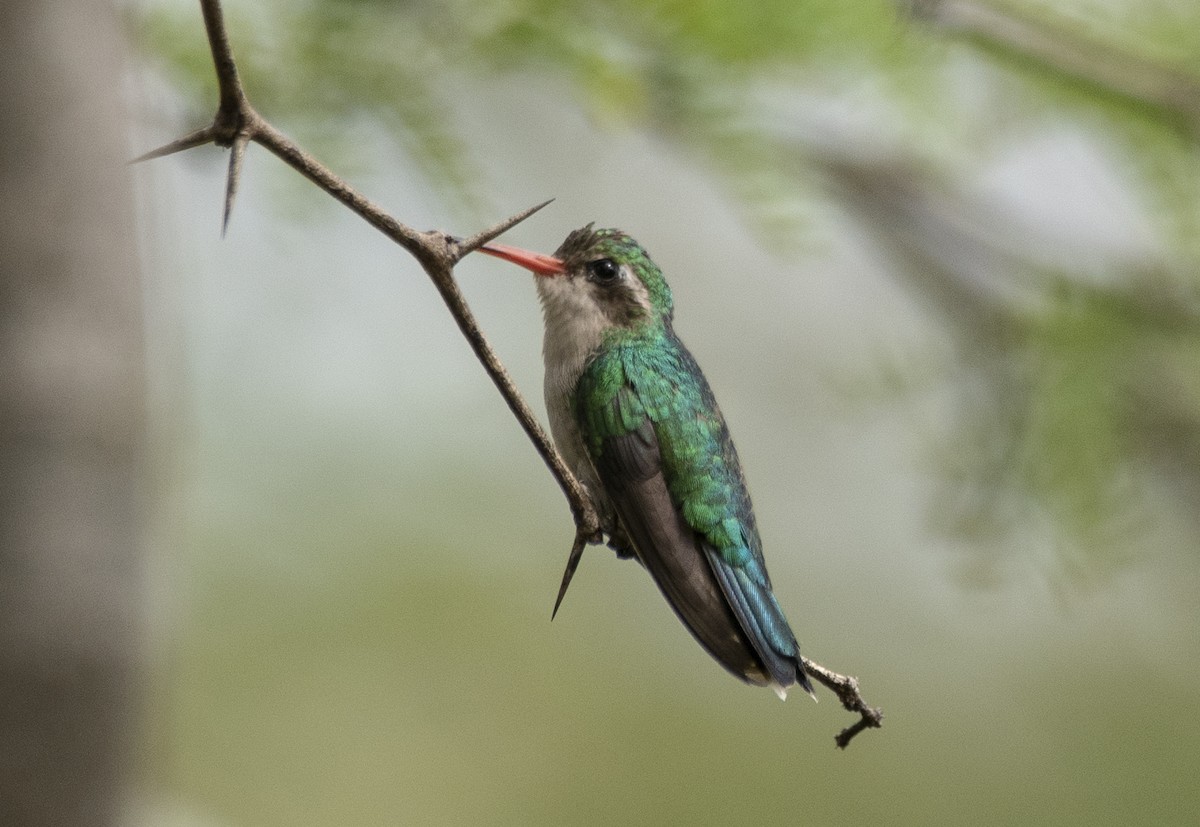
604, 271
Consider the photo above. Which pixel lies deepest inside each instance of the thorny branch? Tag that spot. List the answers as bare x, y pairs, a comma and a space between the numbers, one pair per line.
237, 124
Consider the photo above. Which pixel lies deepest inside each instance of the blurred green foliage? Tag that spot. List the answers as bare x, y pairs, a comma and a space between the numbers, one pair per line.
1064, 372
930, 92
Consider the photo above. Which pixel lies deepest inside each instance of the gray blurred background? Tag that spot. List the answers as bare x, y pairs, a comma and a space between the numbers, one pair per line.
939, 262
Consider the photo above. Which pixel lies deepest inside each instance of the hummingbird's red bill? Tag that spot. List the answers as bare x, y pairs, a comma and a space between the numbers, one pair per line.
539, 263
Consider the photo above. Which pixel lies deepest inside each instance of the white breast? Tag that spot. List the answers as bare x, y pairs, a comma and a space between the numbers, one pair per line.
575, 328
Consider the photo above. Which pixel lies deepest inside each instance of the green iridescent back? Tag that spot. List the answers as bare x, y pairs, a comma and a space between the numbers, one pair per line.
646, 373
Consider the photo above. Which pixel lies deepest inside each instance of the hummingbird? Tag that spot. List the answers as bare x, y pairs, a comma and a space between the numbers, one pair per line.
636, 421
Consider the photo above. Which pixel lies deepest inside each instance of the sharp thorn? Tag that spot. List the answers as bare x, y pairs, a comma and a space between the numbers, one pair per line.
195, 139
483, 237
572, 564
236, 152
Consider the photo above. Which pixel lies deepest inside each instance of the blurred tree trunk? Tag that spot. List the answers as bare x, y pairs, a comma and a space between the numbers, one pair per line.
71, 415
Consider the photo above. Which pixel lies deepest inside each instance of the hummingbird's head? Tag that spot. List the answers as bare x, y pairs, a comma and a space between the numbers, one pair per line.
600, 278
